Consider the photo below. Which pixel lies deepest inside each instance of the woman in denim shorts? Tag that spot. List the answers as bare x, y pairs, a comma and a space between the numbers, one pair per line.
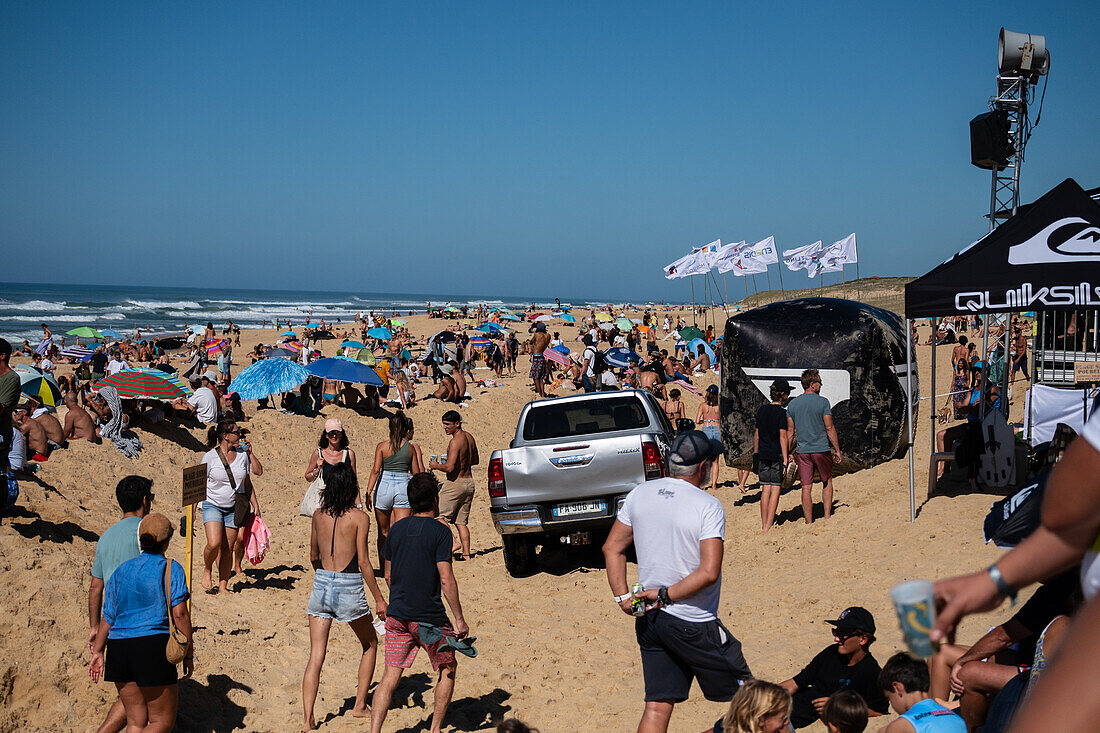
395, 460
224, 440
338, 544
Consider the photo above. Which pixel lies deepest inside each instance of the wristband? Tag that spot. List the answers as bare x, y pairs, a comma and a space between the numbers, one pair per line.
625, 597
1003, 587
662, 597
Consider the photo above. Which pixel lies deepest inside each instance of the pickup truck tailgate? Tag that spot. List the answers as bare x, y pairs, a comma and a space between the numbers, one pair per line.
608, 464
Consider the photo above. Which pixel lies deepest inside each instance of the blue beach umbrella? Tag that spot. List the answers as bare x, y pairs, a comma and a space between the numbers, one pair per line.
382, 334
490, 328
291, 334
339, 369
693, 349
110, 333
267, 377
561, 348
281, 353
510, 317
620, 357
352, 345
568, 318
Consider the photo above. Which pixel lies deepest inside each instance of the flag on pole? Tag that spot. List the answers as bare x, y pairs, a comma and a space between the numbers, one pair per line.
764, 251
698, 262
835, 256
846, 248
726, 257
676, 269
803, 258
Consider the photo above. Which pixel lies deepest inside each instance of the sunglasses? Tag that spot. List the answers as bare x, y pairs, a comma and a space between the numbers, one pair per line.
843, 634
235, 431
334, 433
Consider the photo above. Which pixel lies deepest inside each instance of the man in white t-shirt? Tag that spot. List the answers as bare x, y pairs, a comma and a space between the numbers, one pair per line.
203, 404
116, 364
677, 530
588, 364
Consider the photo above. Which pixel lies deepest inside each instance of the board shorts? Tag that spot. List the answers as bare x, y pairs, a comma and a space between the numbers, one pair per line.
392, 491
675, 651
337, 596
140, 660
538, 367
455, 499
213, 513
770, 472
807, 462
403, 640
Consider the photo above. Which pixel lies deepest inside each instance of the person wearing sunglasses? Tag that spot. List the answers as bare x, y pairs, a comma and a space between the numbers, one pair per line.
846, 664
229, 462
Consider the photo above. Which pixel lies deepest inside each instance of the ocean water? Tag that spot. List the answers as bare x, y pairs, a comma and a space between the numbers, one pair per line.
24, 307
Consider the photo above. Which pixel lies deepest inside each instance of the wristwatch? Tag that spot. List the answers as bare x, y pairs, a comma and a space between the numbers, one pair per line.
662, 597
1003, 587
620, 599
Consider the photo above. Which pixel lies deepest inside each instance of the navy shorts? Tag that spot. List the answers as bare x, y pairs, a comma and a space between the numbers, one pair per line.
140, 660
675, 651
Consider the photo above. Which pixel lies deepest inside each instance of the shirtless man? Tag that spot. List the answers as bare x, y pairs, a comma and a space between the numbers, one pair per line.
960, 353
538, 343
38, 445
447, 390
702, 361
78, 423
457, 493
1019, 355
54, 432
460, 382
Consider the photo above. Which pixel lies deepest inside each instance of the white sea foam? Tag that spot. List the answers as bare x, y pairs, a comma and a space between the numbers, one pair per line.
36, 305
161, 304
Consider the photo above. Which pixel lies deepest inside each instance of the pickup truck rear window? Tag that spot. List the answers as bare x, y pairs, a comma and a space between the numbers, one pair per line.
561, 419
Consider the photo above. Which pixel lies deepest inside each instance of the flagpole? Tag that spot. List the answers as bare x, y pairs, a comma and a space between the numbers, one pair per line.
781, 288
693, 322
769, 276
725, 290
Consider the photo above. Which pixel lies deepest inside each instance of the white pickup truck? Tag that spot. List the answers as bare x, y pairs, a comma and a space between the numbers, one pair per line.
572, 462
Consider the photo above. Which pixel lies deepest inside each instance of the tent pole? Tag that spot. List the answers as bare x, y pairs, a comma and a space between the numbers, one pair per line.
932, 409
909, 414
1007, 369
984, 386
725, 290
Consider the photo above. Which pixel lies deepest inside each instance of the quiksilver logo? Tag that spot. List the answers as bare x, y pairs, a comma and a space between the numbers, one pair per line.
1070, 239
1027, 296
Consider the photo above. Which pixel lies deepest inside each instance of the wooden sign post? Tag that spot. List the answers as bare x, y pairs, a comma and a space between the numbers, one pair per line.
194, 491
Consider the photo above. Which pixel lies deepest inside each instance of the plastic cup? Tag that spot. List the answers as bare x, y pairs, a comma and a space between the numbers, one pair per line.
916, 609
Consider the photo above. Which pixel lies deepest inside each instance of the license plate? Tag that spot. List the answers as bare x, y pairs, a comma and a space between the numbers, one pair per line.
579, 507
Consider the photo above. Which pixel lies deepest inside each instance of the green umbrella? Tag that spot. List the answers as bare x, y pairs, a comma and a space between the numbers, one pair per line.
509, 317
86, 332
624, 324
395, 322
691, 332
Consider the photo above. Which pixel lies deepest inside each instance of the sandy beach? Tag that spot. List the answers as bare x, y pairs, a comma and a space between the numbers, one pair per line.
554, 650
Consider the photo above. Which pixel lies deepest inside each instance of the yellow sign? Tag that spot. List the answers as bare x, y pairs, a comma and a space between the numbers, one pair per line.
1086, 372
194, 484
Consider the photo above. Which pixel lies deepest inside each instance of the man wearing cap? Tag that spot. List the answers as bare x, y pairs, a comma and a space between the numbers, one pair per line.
810, 422
770, 443
456, 496
203, 404
536, 346
847, 664
677, 530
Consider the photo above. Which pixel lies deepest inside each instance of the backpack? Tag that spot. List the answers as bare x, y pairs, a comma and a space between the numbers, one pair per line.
599, 362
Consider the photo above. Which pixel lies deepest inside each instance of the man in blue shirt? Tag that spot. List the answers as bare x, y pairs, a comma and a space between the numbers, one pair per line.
117, 545
904, 681
810, 420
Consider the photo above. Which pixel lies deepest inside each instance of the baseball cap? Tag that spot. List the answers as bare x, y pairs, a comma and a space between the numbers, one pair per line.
781, 385
539, 327
855, 617
157, 525
446, 368
333, 423
694, 447
211, 375
712, 389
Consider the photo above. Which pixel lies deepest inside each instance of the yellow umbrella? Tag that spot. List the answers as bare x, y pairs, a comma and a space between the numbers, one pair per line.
602, 316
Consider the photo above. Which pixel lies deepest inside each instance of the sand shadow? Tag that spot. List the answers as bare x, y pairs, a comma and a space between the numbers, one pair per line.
558, 560
794, 514
178, 434
470, 713
60, 533
265, 578
956, 482
207, 708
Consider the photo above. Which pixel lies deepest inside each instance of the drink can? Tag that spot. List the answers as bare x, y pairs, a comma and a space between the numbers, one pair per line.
637, 605
916, 609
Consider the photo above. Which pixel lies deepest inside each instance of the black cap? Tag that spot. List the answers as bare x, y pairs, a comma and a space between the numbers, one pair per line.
694, 447
781, 385
857, 618
712, 389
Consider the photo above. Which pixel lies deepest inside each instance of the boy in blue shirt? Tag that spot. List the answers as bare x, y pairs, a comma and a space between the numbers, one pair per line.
905, 681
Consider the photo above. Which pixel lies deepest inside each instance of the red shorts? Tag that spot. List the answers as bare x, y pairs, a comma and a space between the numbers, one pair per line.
403, 639
807, 462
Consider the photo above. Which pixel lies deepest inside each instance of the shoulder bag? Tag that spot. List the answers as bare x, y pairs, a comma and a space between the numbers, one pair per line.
311, 502
176, 648
242, 505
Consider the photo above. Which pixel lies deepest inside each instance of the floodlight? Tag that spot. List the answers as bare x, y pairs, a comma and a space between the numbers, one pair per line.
1022, 54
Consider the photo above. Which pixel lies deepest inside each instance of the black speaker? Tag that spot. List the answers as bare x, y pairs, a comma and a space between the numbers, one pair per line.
989, 147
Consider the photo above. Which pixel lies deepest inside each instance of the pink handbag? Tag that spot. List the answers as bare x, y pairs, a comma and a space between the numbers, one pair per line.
256, 538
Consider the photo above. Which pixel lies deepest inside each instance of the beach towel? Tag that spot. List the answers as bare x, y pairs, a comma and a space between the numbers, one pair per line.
127, 443
44, 346
256, 538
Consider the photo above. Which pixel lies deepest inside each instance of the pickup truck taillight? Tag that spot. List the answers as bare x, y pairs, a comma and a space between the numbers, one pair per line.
651, 458
496, 478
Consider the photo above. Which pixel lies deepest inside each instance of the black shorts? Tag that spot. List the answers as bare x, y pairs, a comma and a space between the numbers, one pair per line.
770, 472
139, 660
675, 651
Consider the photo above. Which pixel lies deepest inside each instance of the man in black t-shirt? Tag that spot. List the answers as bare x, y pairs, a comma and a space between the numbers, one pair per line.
845, 665
418, 571
770, 443
98, 363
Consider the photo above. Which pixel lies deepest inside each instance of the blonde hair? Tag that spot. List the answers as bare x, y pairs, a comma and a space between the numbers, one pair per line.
753, 702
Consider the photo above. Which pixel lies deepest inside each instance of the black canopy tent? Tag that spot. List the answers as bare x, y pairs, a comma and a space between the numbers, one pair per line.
1046, 258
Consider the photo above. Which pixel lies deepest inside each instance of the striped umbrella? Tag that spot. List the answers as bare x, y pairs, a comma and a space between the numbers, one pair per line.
480, 343
211, 347
144, 384
267, 377
295, 346
171, 377
77, 352
36, 383
556, 356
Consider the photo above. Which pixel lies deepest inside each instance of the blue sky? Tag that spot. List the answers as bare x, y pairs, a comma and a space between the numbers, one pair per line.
557, 148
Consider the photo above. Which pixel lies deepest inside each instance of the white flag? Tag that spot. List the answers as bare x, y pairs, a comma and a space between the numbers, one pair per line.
803, 258
676, 269
726, 257
763, 251
846, 249
835, 256
745, 266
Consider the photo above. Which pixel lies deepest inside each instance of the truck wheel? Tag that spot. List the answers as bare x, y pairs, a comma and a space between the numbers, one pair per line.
519, 555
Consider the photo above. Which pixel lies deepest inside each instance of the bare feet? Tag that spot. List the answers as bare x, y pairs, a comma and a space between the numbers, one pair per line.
363, 712
207, 582
309, 724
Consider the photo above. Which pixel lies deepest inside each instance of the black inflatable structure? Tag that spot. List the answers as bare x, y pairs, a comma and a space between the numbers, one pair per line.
858, 349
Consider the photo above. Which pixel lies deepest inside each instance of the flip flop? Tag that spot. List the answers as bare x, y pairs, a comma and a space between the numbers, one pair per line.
462, 646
